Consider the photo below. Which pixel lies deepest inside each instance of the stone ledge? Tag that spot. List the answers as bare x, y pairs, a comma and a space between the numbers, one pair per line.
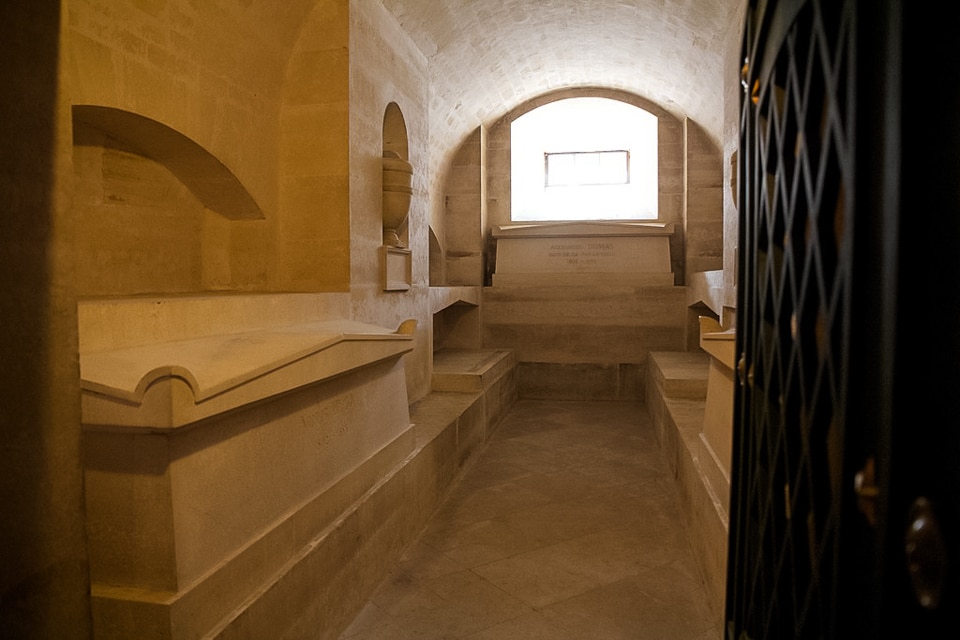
437, 412
172, 384
529, 280
678, 415
443, 297
681, 374
469, 370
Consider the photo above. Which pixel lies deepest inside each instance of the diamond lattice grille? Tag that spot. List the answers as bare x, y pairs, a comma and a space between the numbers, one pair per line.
796, 154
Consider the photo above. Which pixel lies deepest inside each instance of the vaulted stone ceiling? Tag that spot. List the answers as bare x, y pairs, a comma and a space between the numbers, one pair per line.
488, 56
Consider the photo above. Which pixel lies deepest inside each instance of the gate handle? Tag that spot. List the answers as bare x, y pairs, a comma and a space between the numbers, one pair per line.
926, 554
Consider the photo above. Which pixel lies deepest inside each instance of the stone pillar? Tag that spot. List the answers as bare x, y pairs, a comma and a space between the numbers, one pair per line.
43, 568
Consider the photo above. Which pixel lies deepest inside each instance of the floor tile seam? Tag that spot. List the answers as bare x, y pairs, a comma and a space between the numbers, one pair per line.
498, 623
701, 629
615, 444
621, 579
537, 548
453, 499
502, 516
575, 504
508, 432
545, 549
451, 606
438, 551
505, 516
395, 622
496, 516
384, 618
696, 586
587, 470
577, 477
564, 421
544, 606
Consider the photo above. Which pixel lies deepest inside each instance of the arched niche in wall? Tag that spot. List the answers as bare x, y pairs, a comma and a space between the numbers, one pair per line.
397, 176
156, 213
397, 187
210, 180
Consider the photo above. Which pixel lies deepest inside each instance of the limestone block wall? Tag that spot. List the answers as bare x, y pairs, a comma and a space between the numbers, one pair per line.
386, 68
212, 72
140, 228
466, 213
212, 75
732, 64
313, 231
703, 197
584, 342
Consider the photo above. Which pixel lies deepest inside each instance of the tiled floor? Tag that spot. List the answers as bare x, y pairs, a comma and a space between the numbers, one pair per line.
565, 528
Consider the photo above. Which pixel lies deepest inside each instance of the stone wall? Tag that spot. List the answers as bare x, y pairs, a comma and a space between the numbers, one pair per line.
702, 210
44, 586
385, 68
466, 213
212, 75
584, 342
313, 228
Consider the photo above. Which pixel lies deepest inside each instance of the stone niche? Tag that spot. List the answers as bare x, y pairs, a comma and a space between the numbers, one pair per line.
395, 257
225, 437
578, 253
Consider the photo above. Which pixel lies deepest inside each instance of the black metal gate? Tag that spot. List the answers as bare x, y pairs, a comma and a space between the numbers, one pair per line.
833, 534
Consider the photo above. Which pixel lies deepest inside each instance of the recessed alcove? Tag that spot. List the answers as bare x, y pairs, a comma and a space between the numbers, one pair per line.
397, 189
203, 173
456, 317
157, 213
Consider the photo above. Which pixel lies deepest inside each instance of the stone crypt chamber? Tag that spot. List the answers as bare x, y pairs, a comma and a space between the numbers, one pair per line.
275, 305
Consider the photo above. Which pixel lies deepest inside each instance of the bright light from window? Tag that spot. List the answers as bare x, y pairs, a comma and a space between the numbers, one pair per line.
584, 159
581, 168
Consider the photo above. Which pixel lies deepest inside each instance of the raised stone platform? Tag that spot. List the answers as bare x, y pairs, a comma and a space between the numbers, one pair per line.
681, 374
676, 400
487, 374
469, 370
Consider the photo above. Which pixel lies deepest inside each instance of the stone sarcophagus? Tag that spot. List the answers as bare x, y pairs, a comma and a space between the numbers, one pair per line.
632, 253
225, 441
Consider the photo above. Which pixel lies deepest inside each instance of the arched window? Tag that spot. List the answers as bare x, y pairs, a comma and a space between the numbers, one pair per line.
584, 159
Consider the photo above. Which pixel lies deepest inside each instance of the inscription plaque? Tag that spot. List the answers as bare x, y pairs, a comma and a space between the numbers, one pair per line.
640, 250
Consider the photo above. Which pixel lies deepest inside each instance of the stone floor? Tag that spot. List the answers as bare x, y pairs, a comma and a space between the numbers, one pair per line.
566, 527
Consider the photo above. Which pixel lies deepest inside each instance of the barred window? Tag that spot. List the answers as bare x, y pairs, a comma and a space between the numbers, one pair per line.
584, 159
582, 168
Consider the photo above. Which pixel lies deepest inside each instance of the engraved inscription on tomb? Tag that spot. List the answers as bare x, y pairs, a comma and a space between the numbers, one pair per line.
580, 252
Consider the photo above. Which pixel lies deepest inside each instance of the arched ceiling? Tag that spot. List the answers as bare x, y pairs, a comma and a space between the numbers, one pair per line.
488, 56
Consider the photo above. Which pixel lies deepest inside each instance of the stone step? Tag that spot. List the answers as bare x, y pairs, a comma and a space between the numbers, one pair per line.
681, 374
469, 370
